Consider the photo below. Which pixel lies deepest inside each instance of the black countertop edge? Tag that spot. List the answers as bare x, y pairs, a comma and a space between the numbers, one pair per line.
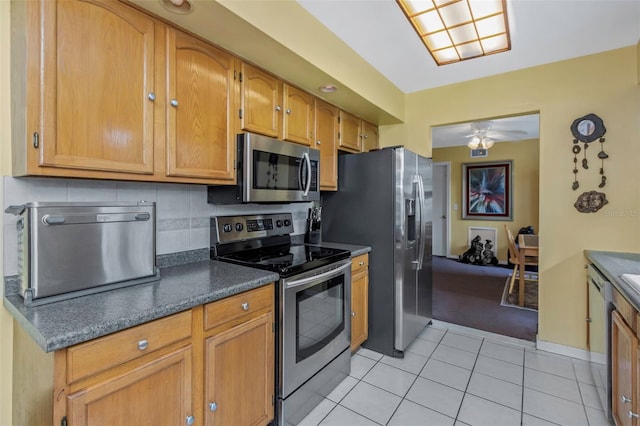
612, 265
356, 250
62, 324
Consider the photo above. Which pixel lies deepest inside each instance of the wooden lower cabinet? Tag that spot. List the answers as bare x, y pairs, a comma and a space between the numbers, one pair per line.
165, 373
359, 300
155, 393
624, 372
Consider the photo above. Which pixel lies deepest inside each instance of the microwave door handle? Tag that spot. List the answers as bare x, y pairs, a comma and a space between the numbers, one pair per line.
307, 161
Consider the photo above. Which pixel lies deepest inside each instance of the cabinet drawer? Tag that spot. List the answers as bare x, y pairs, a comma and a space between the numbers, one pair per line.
237, 306
109, 351
359, 262
625, 309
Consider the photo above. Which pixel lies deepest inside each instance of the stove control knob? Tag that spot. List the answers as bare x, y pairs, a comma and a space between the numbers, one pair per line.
287, 222
226, 227
279, 223
239, 227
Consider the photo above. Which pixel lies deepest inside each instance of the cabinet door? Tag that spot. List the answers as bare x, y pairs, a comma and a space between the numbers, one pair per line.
369, 136
200, 110
239, 374
350, 139
298, 116
624, 347
359, 308
327, 129
156, 393
261, 98
97, 76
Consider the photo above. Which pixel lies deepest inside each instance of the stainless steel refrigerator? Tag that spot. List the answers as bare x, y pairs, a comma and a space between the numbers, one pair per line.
384, 200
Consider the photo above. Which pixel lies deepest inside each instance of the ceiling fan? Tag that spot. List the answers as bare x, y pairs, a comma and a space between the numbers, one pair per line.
484, 137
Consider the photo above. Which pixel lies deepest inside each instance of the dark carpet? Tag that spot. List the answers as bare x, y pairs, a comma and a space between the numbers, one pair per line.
469, 295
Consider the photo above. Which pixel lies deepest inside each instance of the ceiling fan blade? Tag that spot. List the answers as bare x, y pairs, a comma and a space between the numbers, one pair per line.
507, 132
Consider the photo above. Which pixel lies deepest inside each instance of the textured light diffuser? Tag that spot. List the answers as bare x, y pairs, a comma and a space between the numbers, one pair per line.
456, 30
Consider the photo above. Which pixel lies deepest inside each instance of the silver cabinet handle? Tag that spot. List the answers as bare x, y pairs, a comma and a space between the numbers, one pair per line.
213, 406
278, 108
152, 96
190, 420
288, 110
353, 314
361, 263
317, 142
143, 344
633, 415
625, 399
366, 136
245, 306
174, 102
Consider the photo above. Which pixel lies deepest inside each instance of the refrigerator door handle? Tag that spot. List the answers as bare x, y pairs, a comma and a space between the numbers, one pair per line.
423, 228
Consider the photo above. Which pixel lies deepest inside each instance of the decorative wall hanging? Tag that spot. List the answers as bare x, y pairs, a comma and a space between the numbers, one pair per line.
588, 129
486, 191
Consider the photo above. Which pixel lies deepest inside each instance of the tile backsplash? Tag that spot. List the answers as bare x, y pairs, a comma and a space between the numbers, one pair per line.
182, 211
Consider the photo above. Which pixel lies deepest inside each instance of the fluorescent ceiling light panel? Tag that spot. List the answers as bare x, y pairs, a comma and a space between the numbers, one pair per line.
455, 30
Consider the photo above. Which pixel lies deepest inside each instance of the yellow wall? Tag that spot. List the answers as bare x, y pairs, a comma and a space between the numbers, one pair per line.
605, 84
524, 155
6, 323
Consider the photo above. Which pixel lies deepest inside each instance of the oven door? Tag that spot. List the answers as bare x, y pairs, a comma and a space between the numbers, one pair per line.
277, 171
315, 308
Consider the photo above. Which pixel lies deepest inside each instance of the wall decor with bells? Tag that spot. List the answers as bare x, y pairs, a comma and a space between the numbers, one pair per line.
586, 130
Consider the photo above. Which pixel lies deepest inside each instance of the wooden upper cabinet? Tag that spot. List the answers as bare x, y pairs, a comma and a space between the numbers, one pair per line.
200, 109
369, 136
96, 83
298, 116
261, 102
350, 139
326, 141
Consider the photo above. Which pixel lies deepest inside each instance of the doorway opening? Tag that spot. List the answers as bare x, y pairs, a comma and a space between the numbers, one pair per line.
475, 295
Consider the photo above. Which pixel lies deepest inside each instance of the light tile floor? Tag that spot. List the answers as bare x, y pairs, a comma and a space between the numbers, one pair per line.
456, 376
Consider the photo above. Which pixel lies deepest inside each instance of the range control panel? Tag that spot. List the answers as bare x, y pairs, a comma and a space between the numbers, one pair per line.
226, 229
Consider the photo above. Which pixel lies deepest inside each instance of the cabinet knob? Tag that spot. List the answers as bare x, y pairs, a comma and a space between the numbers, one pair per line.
190, 420
288, 111
278, 108
353, 314
245, 306
365, 136
633, 415
213, 406
625, 399
174, 102
152, 96
361, 263
143, 344
317, 142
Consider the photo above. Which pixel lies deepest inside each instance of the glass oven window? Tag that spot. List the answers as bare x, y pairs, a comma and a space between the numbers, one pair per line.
278, 171
319, 316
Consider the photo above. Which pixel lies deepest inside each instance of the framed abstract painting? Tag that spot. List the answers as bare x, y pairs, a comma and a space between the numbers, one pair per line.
486, 191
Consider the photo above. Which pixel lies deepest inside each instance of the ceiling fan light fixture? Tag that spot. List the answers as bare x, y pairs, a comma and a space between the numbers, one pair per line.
465, 29
474, 143
486, 142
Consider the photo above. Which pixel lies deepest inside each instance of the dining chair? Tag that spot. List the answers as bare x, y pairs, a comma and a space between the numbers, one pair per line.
514, 257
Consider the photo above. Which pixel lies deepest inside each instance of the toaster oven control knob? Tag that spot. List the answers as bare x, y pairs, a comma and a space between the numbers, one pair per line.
287, 222
279, 223
226, 227
239, 227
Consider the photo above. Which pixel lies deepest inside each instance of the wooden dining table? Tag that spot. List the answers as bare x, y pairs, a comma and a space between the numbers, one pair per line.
527, 249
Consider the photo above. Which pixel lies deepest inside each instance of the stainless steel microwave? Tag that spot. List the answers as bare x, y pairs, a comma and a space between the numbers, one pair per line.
271, 171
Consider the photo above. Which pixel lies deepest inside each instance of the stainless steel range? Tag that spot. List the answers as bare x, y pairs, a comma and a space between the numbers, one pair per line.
313, 301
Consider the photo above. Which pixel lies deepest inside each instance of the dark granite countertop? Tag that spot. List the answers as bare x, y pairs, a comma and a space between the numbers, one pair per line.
612, 265
61, 324
354, 249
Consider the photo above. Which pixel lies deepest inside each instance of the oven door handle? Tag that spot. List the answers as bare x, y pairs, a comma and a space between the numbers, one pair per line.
321, 277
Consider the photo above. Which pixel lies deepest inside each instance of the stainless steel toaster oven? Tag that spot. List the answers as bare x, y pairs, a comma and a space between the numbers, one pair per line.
70, 249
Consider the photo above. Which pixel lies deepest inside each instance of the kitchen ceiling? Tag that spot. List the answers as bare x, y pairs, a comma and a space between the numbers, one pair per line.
542, 31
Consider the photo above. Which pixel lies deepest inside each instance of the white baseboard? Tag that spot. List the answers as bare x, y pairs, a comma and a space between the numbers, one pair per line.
556, 348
